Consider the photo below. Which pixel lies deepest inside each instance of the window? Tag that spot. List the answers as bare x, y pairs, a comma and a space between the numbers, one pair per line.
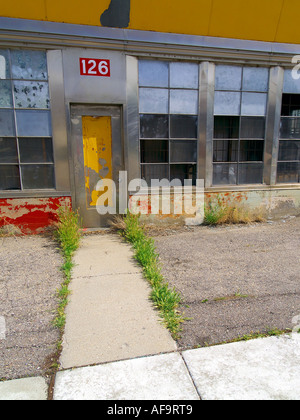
239, 124
26, 151
168, 105
288, 167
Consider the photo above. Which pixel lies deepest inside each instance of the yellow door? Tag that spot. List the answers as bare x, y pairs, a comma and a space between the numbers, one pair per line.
97, 153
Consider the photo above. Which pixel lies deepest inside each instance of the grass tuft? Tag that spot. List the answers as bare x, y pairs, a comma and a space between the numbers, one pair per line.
217, 213
164, 298
68, 236
67, 233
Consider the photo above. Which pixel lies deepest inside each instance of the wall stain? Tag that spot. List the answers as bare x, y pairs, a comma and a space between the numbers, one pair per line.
117, 15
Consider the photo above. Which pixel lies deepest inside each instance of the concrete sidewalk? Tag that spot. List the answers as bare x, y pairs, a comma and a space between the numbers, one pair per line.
115, 347
109, 316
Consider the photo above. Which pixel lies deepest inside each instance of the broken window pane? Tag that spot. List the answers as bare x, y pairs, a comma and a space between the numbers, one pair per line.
9, 177
8, 150
29, 65
154, 151
31, 95
183, 126
225, 174
36, 177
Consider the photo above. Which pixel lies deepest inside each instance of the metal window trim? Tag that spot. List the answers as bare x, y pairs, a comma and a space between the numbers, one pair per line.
53, 35
252, 187
131, 120
206, 122
46, 193
273, 124
59, 120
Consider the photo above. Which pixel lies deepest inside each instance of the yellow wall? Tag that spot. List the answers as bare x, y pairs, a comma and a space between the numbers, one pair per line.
263, 20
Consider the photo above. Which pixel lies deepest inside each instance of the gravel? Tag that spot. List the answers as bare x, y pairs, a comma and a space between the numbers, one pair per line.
29, 279
235, 280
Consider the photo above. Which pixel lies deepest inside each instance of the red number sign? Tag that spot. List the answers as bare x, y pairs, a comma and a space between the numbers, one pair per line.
94, 67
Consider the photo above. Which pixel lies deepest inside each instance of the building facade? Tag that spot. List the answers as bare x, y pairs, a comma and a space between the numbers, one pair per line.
204, 90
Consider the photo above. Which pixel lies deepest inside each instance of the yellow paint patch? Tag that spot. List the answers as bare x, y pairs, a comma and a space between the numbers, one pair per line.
261, 20
185, 17
97, 151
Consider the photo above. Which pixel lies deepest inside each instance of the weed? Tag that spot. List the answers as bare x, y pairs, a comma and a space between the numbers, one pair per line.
217, 213
165, 299
117, 223
274, 332
68, 237
235, 296
214, 213
68, 233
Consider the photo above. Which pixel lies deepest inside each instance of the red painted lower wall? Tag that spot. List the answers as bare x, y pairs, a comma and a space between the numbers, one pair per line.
30, 215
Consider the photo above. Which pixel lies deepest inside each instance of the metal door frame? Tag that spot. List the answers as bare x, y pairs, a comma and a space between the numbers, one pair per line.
90, 217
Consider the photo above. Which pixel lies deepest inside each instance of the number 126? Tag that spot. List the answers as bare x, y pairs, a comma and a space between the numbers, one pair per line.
94, 67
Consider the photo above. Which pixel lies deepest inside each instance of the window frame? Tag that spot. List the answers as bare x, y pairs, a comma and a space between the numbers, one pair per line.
235, 167
288, 139
47, 110
171, 89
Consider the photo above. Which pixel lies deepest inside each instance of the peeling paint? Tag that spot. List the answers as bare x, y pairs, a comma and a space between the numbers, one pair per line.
97, 151
275, 204
31, 216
